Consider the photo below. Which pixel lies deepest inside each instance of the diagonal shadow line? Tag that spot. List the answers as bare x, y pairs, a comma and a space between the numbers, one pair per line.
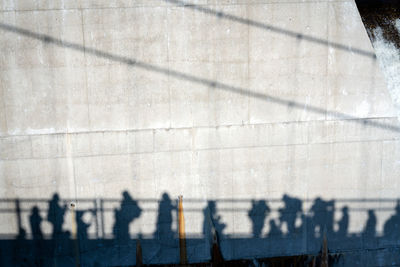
188, 77
271, 28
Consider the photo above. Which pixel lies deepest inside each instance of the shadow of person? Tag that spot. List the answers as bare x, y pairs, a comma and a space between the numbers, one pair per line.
35, 221
55, 216
370, 226
128, 211
165, 238
258, 213
60, 242
212, 221
290, 212
391, 228
274, 230
212, 231
323, 212
82, 225
164, 230
343, 223
82, 228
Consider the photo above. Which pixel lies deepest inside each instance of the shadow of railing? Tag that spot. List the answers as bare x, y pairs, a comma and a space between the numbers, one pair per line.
272, 28
97, 232
195, 79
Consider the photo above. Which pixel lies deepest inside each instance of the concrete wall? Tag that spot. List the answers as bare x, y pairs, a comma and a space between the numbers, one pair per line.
225, 101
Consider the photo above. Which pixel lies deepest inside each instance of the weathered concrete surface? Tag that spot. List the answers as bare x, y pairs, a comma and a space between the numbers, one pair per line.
233, 100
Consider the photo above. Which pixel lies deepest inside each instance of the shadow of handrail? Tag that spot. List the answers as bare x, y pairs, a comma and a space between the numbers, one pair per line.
192, 78
272, 28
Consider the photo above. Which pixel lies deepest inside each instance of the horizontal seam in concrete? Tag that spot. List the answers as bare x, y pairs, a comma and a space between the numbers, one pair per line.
205, 127
201, 149
173, 6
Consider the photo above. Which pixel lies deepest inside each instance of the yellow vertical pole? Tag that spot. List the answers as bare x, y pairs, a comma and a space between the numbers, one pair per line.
182, 235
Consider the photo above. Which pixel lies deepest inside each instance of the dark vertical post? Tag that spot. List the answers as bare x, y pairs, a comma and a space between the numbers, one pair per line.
324, 253
139, 257
21, 232
95, 218
102, 217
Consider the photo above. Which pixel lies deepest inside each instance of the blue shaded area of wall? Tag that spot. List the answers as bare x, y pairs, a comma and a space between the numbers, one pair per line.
61, 248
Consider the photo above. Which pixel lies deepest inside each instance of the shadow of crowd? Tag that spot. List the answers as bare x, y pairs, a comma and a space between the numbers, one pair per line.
293, 225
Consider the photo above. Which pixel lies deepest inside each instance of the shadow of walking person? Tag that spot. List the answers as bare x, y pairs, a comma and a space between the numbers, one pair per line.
274, 230
56, 216
322, 219
83, 227
290, 212
343, 224
164, 230
212, 231
213, 221
258, 213
391, 228
369, 234
35, 220
165, 237
60, 243
128, 211
370, 227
